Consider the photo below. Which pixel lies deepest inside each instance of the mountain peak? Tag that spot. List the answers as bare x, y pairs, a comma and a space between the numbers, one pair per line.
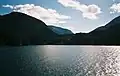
21, 16
16, 13
18, 27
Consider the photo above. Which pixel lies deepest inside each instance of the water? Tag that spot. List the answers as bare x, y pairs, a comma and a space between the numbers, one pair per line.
60, 61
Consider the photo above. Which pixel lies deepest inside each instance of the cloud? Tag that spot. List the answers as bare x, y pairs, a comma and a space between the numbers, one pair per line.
115, 8
88, 11
9, 6
49, 16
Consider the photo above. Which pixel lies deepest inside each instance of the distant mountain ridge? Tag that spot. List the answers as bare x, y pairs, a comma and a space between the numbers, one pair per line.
59, 30
104, 35
20, 29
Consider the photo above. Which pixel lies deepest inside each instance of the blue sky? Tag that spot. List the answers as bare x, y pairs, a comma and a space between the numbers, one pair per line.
76, 15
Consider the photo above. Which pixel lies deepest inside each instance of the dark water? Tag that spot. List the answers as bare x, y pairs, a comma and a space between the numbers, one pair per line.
60, 61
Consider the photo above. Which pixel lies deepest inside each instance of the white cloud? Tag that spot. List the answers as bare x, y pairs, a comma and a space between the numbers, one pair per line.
88, 11
9, 6
115, 8
49, 16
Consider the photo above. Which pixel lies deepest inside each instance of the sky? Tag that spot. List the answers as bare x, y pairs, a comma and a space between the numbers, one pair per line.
76, 15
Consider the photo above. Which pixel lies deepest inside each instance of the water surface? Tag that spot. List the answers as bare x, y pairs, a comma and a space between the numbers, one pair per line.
60, 61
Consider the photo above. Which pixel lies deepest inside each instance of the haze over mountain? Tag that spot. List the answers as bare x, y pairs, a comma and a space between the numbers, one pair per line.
60, 30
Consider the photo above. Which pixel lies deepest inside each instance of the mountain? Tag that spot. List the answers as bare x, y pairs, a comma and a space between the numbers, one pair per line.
18, 28
115, 22
21, 29
60, 31
105, 35
108, 34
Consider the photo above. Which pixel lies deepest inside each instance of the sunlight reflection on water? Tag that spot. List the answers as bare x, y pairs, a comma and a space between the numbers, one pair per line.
61, 61
87, 60
106, 63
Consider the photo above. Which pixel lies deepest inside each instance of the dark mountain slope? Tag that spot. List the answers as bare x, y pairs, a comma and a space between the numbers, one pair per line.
111, 25
108, 34
18, 28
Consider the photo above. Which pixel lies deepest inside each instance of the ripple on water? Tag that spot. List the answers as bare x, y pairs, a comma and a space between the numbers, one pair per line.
106, 63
